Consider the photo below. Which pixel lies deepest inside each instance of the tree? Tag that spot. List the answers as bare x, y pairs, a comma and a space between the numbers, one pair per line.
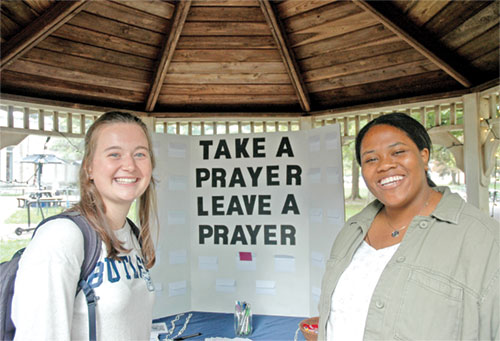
355, 180
444, 163
351, 168
69, 149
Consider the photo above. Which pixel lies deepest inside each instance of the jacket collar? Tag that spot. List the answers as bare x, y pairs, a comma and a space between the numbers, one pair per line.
448, 209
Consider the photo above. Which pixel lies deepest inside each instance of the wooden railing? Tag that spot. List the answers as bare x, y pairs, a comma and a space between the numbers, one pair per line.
45, 122
210, 127
445, 115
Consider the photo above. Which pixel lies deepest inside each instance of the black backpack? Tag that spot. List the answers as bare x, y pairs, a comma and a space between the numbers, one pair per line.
92, 249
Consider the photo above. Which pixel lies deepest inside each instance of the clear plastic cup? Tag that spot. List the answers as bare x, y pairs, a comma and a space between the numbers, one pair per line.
242, 319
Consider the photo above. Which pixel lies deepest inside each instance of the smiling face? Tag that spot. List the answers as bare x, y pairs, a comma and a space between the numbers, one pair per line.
392, 166
121, 165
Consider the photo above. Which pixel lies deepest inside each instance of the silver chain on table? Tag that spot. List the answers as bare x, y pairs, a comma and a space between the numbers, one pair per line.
296, 334
171, 331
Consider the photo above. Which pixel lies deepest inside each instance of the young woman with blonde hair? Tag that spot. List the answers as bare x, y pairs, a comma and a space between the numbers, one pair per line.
116, 170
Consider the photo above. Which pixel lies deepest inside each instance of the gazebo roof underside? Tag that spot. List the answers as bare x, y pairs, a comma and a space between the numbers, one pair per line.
246, 56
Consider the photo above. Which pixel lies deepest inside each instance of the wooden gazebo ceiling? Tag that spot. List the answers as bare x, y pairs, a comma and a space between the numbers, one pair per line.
245, 56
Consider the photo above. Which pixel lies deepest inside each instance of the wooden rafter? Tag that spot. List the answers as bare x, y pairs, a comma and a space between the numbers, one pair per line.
414, 39
180, 15
286, 53
39, 29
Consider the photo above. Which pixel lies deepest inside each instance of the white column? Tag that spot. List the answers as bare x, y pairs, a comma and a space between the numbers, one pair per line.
477, 194
149, 121
305, 123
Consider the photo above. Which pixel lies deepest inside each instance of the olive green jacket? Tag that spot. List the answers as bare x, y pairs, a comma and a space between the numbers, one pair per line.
441, 284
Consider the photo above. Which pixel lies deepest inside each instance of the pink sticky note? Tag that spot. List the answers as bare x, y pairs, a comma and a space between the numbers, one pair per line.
246, 256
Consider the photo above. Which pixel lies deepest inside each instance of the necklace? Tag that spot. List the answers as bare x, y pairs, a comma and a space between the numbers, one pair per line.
395, 231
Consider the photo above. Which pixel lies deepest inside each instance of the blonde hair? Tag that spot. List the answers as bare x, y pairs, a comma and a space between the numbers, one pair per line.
92, 206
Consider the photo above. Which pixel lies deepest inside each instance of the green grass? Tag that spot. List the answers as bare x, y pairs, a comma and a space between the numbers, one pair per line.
9, 247
132, 213
20, 216
352, 208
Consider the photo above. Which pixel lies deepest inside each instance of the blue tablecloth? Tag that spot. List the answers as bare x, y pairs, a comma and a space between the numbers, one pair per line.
265, 327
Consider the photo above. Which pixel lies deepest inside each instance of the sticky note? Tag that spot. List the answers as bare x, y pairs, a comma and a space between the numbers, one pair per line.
245, 256
208, 263
225, 285
333, 175
318, 260
314, 175
314, 143
332, 141
265, 287
177, 183
315, 293
177, 150
178, 256
176, 217
316, 215
284, 263
246, 265
177, 288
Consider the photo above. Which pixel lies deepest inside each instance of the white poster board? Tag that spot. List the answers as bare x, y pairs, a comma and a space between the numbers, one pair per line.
246, 217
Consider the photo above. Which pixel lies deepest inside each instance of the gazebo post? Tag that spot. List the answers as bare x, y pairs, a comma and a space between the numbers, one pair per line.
306, 123
475, 179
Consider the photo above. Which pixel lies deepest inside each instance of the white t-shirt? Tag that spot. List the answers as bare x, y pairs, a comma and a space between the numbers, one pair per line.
352, 296
44, 306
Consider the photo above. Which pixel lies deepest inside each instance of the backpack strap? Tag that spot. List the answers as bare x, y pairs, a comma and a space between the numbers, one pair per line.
135, 230
92, 252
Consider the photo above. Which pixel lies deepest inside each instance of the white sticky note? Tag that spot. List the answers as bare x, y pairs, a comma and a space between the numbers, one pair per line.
332, 140
208, 263
177, 288
314, 143
246, 265
315, 293
177, 183
178, 257
157, 328
314, 175
177, 150
225, 285
176, 217
318, 260
265, 287
156, 149
159, 255
333, 175
284, 263
316, 215
333, 216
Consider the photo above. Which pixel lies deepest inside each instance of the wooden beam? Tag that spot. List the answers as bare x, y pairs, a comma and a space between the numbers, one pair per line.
395, 24
177, 23
39, 29
287, 54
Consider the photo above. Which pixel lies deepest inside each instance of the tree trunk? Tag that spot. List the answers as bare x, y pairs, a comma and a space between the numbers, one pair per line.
355, 180
453, 178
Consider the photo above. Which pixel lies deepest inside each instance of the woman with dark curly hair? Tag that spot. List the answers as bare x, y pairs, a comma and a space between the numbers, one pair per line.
418, 263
